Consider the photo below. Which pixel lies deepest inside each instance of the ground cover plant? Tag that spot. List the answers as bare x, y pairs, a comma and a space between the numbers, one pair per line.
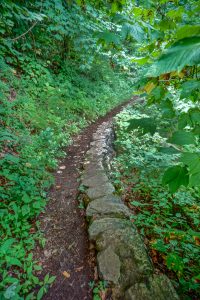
34, 130
168, 221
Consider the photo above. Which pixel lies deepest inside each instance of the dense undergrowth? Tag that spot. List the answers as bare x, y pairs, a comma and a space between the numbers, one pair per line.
169, 222
55, 78
40, 111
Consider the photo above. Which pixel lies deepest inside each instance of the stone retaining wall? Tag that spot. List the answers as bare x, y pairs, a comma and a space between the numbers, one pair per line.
121, 255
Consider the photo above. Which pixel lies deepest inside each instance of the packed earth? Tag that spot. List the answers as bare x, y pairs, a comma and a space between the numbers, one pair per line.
67, 253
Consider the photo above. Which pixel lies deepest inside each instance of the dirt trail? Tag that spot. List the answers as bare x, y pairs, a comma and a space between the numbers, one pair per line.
67, 254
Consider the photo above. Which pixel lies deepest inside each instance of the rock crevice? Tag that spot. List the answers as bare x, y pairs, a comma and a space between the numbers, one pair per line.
122, 258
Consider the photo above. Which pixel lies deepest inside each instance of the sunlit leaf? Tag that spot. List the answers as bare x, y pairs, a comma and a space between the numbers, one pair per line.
184, 52
187, 31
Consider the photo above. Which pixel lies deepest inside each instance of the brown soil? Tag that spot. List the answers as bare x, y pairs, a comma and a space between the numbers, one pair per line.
67, 253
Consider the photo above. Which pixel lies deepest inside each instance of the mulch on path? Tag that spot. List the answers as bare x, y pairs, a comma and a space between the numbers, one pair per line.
67, 253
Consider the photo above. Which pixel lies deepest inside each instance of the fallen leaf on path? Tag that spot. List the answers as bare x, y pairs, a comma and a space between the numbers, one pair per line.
66, 274
62, 167
46, 253
103, 295
96, 275
79, 269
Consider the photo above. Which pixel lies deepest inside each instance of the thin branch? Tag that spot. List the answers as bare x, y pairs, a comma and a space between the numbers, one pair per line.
23, 34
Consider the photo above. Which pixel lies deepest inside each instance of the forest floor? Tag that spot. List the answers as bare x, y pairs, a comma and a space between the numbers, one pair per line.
67, 253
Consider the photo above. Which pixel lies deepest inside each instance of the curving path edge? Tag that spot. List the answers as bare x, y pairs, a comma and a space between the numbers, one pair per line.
122, 259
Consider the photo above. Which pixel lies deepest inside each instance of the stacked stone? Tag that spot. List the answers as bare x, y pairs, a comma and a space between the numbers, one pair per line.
122, 258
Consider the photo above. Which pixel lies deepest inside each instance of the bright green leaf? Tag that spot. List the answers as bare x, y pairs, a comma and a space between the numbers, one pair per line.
182, 137
13, 261
182, 53
175, 177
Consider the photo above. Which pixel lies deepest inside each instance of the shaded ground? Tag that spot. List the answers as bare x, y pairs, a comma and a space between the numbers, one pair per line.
67, 253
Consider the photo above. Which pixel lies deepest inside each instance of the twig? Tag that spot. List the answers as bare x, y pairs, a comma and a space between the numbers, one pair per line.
34, 24
23, 34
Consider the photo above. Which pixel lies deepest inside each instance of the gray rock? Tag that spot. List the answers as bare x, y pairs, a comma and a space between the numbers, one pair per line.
122, 237
91, 169
98, 145
94, 161
100, 191
86, 176
106, 224
104, 132
96, 180
112, 199
95, 152
128, 245
109, 265
102, 208
98, 137
157, 287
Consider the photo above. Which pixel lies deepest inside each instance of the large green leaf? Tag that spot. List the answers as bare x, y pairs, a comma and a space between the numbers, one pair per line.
175, 177
184, 52
192, 160
184, 120
108, 37
188, 87
194, 114
191, 118
187, 31
157, 94
195, 179
167, 108
168, 150
182, 137
135, 31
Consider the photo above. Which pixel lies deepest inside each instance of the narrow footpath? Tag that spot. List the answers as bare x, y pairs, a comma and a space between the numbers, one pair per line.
67, 253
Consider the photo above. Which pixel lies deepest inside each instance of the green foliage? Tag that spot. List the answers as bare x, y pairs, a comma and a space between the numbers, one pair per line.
38, 120
99, 289
185, 52
175, 177
146, 124
170, 54
108, 37
188, 87
167, 218
133, 30
55, 79
192, 161
165, 39
182, 138
187, 31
